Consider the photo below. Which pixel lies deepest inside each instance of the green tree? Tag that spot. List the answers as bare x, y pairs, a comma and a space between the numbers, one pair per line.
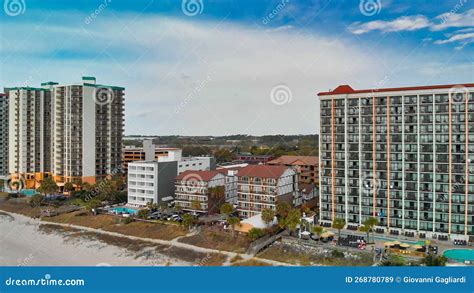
143, 214
223, 155
196, 205
188, 221
293, 219
318, 230
434, 260
268, 215
68, 187
227, 209
283, 208
233, 221
339, 224
48, 186
36, 200
394, 261
255, 233
368, 226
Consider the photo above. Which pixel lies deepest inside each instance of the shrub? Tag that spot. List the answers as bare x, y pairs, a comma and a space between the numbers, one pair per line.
256, 233
337, 253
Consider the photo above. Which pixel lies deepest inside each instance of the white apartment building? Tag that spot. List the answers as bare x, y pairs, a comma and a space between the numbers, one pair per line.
196, 164
150, 182
263, 186
230, 184
29, 130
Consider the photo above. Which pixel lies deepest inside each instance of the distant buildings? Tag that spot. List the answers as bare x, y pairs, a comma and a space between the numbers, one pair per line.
402, 155
306, 166
200, 191
253, 159
150, 182
262, 186
3, 135
71, 132
196, 164
149, 153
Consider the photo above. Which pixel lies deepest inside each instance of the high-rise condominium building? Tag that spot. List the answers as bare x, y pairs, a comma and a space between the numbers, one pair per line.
29, 130
402, 155
3, 135
70, 131
87, 130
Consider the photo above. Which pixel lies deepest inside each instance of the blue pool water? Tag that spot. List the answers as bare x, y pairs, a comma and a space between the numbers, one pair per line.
28, 192
124, 210
460, 254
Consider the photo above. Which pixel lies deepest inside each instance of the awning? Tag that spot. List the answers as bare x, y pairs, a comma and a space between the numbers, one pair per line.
327, 234
396, 243
404, 245
388, 244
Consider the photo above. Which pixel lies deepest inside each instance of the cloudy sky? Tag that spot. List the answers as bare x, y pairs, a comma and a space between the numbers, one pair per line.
216, 67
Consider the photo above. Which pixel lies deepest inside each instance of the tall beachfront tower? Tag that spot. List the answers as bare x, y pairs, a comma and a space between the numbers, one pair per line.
87, 130
29, 126
402, 155
3, 135
71, 132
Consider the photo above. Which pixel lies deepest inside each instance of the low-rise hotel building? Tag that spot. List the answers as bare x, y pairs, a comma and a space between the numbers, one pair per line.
204, 187
402, 155
306, 166
263, 186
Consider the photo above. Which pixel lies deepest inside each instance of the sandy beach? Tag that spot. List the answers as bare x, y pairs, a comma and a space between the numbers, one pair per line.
25, 242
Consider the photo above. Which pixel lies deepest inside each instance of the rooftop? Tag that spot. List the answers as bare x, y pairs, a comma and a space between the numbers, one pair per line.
295, 160
262, 171
192, 175
347, 89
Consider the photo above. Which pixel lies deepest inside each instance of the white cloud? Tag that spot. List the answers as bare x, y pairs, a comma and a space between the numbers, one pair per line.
162, 61
454, 18
404, 23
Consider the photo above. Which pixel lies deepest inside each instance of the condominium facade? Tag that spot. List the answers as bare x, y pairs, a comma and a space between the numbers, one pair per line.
306, 166
67, 131
402, 155
150, 182
87, 130
3, 135
195, 186
29, 130
141, 154
263, 186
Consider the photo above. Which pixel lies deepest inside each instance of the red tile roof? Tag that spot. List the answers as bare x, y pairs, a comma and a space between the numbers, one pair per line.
346, 89
262, 171
293, 160
191, 175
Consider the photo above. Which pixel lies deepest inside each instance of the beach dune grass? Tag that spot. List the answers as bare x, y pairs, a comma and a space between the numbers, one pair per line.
218, 240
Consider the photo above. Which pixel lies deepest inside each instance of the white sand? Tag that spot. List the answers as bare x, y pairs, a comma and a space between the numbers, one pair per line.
21, 243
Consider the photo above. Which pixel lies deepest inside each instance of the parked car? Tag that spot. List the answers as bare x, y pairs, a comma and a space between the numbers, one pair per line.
175, 217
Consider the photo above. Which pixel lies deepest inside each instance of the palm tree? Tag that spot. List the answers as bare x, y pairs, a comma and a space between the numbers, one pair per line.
282, 209
268, 215
48, 186
68, 187
339, 224
196, 206
318, 230
233, 221
227, 209
369, 225
293, 219
188, 221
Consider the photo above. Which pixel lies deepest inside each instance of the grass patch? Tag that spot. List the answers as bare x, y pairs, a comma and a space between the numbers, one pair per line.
218, 240
308, 256
20, 206
251, 263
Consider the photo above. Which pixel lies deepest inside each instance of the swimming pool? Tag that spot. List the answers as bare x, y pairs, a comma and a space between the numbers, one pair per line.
460, 254
28, 192
124, 210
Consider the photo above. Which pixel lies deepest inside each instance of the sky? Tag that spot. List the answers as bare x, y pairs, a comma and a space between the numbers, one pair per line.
220, 67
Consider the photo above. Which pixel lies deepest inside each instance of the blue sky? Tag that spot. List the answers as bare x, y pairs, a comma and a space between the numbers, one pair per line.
235, 66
